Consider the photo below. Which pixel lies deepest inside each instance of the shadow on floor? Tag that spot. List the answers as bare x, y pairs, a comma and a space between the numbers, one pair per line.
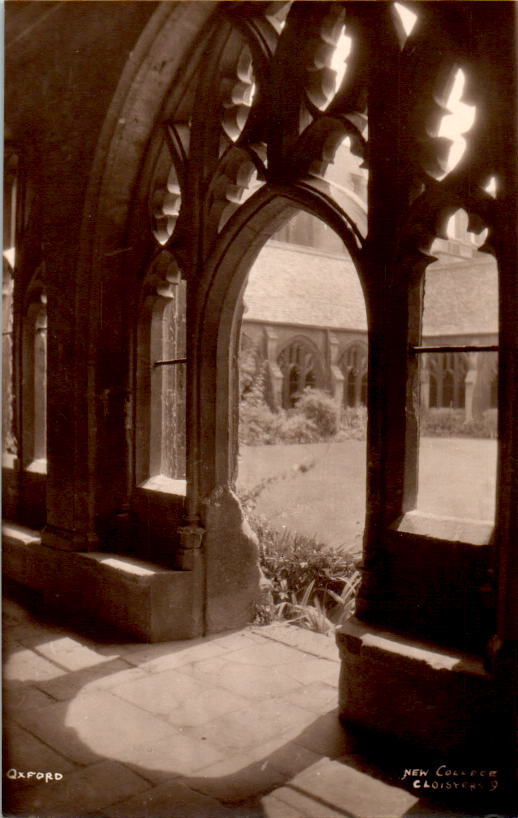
323, 770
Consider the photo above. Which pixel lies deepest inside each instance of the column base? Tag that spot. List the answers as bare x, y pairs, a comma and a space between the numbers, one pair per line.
438, 700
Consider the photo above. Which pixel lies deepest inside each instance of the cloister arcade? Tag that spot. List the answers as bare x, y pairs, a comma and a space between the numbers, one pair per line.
156, 148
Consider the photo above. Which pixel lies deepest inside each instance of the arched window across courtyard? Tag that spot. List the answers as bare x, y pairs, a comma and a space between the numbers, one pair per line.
353, 363
300, 369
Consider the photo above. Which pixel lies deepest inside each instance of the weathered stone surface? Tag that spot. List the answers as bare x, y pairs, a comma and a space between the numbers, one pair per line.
316, 696
153, 603
157, 658
103, 677
81, 791
181, 700
288, 757
232, 563
250, 681
264, 758
17, 696
96, 725
174, 800
272, 807
269, 654
245, 729
326, 736
26, 666
438, 699
24, 751
237, 778
316, 644
70, 654
329, 785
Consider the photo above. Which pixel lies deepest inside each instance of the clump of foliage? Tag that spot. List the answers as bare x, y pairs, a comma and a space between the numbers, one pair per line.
353, 423
314, 418
452, 423
312, 584
258, 425
321, 410
298, 429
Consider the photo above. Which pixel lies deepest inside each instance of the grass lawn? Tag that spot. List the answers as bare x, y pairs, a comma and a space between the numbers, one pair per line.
320, 490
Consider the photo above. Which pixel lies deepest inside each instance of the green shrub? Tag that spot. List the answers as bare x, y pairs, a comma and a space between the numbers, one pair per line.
452, 423
311, 583
353, 423
252, 382
297, 429
258, 425
321, 409
313, 419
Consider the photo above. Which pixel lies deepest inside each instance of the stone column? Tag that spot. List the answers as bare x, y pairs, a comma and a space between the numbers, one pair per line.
274, 376
335, 373
470, 383
424, 382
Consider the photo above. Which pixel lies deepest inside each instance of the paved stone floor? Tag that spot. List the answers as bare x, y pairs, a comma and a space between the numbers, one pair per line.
243, 724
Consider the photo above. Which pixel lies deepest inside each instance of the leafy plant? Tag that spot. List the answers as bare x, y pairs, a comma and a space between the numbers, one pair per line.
353, 423
312, 584
258, 425
314, 418
321, 409
452, 423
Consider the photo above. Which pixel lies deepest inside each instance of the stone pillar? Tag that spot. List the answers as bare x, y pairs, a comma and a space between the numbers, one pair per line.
470, 383
424, 382
336, 376
274, 378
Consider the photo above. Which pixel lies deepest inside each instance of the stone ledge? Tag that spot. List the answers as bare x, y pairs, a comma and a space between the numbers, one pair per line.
451, 529
154, 604
439, 700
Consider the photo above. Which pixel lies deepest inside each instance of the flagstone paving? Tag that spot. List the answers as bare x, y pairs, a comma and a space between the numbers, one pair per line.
243, 724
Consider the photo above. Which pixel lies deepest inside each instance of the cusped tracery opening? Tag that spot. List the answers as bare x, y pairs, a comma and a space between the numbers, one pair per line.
461, 238
457, 122
406, 19
345, 171
165, 198
329, 60
238, 95
276, 14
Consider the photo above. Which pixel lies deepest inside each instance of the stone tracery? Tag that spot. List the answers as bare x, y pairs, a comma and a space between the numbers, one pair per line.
193, 166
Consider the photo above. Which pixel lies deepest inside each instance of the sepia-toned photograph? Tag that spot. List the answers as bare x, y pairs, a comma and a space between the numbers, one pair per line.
260, 409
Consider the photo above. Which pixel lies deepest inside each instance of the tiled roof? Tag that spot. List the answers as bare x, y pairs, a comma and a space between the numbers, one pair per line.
296, 285
461, 298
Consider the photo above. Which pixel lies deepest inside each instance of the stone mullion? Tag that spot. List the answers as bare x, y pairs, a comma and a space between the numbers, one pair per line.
203, 156
506, 242
504, 648
286, 92
390, 186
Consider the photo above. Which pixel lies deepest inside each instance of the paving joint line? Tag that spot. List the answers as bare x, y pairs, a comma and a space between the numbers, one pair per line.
296, 647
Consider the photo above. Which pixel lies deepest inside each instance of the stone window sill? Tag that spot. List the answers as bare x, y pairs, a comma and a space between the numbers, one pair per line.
38, 466
162, 484
453, 529
9, 461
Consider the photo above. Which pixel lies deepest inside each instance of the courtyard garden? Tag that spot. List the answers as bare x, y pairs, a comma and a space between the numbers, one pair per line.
302, 481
